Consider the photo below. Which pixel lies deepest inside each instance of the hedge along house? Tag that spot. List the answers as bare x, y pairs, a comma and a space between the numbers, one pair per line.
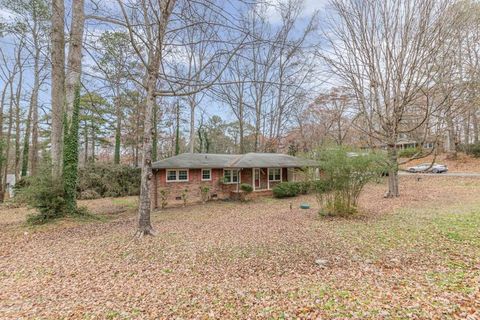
184, 175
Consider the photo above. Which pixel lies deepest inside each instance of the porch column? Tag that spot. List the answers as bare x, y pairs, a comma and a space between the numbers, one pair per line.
268, 178
253, 178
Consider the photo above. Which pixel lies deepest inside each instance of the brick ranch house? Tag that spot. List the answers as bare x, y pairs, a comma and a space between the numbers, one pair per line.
223, 174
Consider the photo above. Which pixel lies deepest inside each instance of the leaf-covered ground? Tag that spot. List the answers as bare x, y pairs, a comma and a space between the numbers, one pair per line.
417, 257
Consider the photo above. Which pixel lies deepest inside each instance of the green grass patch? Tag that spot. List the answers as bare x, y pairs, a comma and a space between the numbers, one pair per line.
130, 203
456, 281
462, 228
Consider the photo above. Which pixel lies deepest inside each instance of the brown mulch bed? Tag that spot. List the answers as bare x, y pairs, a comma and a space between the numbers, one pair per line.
415, 257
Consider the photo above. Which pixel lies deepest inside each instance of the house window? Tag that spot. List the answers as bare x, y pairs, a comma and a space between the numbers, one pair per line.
171, 175
177, 175
274, 174
206, 174
230, 176
428, 145
182, 175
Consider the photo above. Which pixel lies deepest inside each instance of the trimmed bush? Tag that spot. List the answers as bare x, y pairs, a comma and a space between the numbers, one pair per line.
246, 187
286, 189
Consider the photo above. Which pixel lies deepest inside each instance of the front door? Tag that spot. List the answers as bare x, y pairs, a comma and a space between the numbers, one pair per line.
257, 178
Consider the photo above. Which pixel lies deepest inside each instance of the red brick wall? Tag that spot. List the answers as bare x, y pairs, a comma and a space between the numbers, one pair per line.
222, 191
175, 189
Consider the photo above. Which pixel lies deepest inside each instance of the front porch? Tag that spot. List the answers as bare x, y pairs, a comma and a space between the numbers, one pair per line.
263, 180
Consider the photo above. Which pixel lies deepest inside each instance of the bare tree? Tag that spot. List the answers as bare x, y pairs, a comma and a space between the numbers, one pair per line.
262, 53
32, 16
470, 51
385, 52
8, 75
293, 67
147, 24
334, 113
234, 95
198, 48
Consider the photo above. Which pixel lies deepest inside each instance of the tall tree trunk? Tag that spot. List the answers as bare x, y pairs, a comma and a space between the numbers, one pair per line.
258, 110
393, 190
26, 142
32, 120
177, 130
18, 96
200, 140
475, 126
144, 208
451, 148
155, 133
151, 78
133, 157
280, 105
85, 134
92, 157
192, 123
74, 61
466, 128
70, 156
58, 83
241, 138
241, 125
34, 125
2, 142
118, 130
32, 155
9, 138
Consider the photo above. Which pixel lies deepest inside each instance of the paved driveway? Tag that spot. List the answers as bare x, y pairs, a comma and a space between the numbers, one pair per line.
449, 174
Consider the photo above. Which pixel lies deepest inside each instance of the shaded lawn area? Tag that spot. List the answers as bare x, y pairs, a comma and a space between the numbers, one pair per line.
413, 257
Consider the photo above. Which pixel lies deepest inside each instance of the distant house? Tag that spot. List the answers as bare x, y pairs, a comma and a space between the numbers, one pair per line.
223, 174
405, 141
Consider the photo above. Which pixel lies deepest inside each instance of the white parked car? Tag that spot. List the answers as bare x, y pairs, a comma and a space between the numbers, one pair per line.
428, 167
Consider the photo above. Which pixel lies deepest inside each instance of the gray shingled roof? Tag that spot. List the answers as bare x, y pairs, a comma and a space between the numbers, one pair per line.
249, 160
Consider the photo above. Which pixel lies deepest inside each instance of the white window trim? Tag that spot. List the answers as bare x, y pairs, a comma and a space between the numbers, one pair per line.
268, 177
232, 182
176, 175
280, 169
201, 174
